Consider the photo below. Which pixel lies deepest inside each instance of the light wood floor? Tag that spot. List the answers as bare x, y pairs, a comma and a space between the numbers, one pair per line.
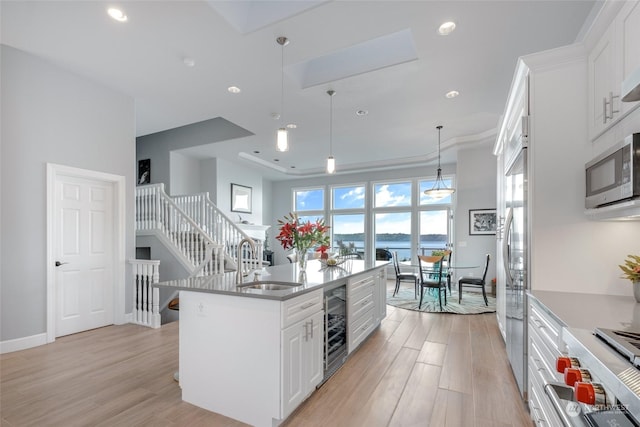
418, 369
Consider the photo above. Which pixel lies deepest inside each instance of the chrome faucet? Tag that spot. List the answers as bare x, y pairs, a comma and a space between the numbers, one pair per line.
241, 257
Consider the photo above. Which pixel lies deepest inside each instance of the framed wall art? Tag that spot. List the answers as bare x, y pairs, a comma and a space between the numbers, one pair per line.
144, 172
240, 198
482, 221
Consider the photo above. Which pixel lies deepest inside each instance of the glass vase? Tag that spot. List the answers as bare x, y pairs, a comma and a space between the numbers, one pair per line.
301, 256
636, 290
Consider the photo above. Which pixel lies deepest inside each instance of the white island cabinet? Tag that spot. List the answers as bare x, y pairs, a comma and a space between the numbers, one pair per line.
251, 359
255, 354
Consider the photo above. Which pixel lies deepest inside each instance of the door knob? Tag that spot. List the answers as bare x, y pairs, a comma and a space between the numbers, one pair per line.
58, 263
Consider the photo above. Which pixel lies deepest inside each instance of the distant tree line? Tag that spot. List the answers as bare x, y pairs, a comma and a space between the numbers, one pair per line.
390, 237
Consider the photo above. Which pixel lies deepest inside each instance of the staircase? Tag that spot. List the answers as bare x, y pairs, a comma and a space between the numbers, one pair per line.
201, 237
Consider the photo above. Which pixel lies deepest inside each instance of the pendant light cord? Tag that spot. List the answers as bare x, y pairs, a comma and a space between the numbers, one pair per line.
439, 128
331, 92
282, 83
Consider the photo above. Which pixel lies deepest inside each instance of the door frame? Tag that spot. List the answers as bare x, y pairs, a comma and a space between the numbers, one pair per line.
54, 172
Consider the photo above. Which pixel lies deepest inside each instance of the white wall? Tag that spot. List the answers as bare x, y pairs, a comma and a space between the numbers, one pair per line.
570, 252
475, 190
231, 172
51, 115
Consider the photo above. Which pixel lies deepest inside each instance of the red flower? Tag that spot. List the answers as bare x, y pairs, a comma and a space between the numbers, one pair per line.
294, 235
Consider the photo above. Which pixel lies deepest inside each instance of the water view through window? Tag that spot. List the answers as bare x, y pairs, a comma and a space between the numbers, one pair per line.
401, 220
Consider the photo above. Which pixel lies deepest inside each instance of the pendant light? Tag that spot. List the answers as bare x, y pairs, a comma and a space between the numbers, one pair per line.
282, 139
439, 189
331, 162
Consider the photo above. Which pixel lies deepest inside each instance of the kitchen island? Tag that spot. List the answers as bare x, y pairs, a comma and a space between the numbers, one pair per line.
254, 351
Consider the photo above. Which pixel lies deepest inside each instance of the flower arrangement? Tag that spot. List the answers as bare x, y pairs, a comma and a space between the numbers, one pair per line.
631, 268
302, 236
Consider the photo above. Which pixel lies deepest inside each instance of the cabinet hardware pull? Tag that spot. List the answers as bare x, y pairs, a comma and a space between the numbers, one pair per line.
307, 305
611, 98
311, 328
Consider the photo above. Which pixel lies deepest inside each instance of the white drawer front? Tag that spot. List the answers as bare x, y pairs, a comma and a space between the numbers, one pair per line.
360, 329
296, 309
546, 326
358, 284
360, 303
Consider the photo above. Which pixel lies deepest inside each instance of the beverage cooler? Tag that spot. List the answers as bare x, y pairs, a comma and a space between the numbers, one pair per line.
335, 329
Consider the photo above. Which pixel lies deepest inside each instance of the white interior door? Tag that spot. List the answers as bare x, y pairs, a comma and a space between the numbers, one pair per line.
84, 254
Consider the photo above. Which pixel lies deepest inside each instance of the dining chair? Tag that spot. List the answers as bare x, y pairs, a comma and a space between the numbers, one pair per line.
447, 263
383, 254
404, 277
431, 277
475, 282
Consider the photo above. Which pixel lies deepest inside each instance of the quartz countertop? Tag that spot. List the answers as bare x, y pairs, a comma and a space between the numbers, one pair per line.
590, 311
316, 276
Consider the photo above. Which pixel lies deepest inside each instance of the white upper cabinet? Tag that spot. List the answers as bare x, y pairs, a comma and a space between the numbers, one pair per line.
612, 59
628, 29
602, 85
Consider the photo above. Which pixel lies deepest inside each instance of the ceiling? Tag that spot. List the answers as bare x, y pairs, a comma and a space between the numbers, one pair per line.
383, 57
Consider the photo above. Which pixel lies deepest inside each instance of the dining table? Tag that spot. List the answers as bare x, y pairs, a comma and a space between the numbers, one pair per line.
447, 269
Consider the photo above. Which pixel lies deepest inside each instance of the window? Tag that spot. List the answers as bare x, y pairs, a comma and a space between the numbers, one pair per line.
393, 233
394, 215
309, 200
348, 197
434, 230
392, 194
347, 233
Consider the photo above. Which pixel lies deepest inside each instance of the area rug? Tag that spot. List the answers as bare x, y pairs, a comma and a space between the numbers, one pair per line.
472, 302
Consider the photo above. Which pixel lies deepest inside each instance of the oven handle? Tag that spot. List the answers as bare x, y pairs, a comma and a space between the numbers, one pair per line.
550, 390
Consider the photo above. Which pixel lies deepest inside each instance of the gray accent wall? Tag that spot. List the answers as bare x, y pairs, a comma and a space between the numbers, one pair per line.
51, 116
158, 146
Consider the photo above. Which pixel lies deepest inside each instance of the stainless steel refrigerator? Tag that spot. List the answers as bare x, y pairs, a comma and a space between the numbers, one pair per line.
515, 252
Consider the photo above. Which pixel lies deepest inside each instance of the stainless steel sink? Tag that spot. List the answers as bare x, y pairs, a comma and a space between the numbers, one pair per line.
269, 286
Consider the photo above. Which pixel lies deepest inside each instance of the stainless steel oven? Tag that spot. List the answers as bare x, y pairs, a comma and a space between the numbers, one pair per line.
602, 379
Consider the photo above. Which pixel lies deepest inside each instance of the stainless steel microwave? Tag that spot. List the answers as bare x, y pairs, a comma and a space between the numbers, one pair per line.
614, 176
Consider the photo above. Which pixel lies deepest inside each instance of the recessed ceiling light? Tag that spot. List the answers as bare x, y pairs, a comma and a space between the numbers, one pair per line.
189, 62
234, 89
452, 94
362, 112
447, 28
117, 14
292, 126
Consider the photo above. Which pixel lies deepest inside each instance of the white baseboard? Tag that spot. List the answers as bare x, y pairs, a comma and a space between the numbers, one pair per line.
22, 343
128, 318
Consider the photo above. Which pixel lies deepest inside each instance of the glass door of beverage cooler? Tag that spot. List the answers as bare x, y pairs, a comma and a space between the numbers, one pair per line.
335, 329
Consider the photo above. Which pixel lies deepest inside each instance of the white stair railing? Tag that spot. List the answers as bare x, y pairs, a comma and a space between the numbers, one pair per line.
157, 213
146, 299
220, 228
